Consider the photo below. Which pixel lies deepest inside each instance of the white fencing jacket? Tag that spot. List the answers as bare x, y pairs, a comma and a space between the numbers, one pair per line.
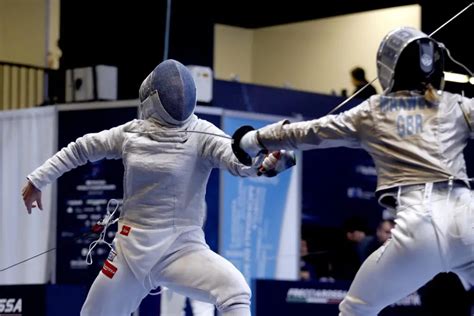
411, 140
165, 179
166, 169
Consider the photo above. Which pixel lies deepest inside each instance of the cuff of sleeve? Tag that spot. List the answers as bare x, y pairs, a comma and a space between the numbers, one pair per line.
34, 181
269, 136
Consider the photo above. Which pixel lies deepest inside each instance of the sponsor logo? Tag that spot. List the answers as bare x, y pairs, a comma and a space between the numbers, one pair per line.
315, 296
332, 296
109, 269
10, 306
125, 230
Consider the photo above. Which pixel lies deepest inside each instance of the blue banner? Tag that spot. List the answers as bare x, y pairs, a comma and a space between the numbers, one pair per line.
259, 231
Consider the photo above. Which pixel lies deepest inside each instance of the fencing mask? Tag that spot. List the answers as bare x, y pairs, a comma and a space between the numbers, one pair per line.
407, 59
168, 93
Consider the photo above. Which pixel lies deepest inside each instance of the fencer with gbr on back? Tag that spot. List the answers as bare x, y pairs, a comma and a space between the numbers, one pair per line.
416, 134
167, 157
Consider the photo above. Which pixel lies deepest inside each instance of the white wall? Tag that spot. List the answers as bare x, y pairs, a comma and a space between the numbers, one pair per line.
315, 55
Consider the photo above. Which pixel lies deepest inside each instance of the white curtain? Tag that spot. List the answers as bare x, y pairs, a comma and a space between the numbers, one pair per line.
27, 139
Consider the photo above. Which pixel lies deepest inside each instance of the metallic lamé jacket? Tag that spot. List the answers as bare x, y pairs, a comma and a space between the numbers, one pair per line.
411, 140
166, 170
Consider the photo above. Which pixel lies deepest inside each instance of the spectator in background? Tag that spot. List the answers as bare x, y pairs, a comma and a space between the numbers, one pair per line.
359, 81
350, 255
382, 234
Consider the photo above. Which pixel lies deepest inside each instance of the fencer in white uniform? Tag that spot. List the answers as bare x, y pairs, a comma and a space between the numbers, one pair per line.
160, 242
416, 134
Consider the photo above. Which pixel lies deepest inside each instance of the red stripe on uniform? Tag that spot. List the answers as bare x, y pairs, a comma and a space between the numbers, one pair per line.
109, 269
125, 230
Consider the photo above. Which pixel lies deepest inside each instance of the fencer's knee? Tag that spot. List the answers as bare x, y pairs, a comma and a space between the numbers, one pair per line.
239, 303
238, 310
353, 306
234, 297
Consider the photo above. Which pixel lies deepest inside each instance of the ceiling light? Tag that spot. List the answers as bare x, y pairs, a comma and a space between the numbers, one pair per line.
454, 77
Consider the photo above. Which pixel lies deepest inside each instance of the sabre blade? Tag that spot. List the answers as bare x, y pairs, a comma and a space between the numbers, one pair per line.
451, 19
27, 259
206, 133
351, 97
195, 132
85, 235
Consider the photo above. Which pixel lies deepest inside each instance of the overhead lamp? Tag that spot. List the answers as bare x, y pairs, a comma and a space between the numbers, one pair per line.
455, 77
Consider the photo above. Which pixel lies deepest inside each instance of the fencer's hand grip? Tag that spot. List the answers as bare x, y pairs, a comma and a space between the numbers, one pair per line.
241, 155
277, 162
269, 163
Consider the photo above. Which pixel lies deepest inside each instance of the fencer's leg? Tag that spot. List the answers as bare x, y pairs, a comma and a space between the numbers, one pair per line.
172, 303
465, 271
115, 291
409, 260
208, 277
461, 237
237, 311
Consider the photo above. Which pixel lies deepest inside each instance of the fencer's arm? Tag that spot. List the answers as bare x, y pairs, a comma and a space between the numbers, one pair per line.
90, 147
219, 152
342, 130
